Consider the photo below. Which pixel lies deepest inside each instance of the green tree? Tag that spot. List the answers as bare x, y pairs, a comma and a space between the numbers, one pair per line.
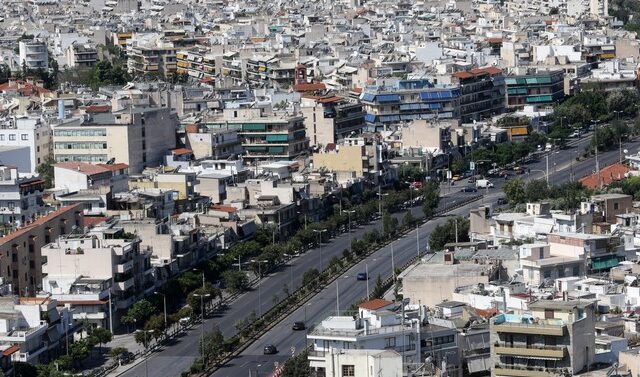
431, 198
514, 190
212, 346
378, 289
154, 326
139, 312
101, 336
389, 224
536, 190
143, 338
408, 220
446, 233
235, 281
45, 169
310, 277
297, 366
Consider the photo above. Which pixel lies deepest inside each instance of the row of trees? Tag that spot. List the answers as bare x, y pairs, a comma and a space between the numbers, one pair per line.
564, 196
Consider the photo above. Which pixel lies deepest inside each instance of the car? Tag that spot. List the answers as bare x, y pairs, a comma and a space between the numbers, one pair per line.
362, 276
297, 326
502, 201
471, 180
270, 349
456, 178
469, 189
126, 358
575, 133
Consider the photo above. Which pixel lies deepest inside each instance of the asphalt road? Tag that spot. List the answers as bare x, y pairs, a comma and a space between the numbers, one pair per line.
562, 168
173, 360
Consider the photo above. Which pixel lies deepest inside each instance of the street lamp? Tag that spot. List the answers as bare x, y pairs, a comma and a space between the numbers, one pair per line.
202, 297
349, 212
290, 267
366, 271
319, 232
164, 299
259, 262
380, 195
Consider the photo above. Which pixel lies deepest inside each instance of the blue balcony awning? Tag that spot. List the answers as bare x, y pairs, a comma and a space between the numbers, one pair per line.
367, 97
370, 118
387, 98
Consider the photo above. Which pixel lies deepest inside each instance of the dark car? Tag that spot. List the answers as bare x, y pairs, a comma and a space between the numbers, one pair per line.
502, 201
125, 358
469, 189
270, 349
297, 326
362, 276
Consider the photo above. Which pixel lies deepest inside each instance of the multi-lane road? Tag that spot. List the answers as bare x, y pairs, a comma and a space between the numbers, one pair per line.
174, 359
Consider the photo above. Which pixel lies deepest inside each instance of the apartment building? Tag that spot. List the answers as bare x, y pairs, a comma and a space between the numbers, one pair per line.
183, 183
33, 54
330, 118
196, 64
20, 197
540, 267
267, 134
138, 137
555, 339
151, 58
406, 100
81, 55
29, 133
598, 252
273, 70
482, 93
374, 328
21, 265
606, 207
89, 271
32, 330
541, 88
217, 141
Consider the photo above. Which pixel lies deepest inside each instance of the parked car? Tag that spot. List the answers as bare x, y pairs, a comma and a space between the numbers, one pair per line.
297, 326
126, 358
575, 133
362, 276
469, 189
502, 201
270, 349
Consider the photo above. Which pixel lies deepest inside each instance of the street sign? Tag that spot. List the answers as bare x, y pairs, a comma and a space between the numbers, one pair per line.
472, 166
448, 174
293, 351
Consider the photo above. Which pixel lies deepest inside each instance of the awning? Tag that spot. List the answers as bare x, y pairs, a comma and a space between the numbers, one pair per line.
605, 262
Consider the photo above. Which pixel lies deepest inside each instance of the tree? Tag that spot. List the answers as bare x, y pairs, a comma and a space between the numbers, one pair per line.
194, 299
79, 350
536, 190
446, 233
514, 190
139, 313
143, 338
116, 351
45, 169
105, 73
235, 281
155, 326
212, 346
310, 277
408, 220
5, 73
431, 198
378, 289
297, 366
101, 336
389, 224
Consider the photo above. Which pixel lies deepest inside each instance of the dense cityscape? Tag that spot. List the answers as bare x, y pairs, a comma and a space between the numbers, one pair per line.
348, 188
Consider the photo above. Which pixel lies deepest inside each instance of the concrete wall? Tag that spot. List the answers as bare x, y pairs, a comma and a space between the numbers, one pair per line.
348, 158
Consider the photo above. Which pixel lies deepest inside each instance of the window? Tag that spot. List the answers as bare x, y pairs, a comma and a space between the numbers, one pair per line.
541, 253
11, 205
24, 137
616, 205
348, 370
576, 271
390, 342
1, 137
12, 137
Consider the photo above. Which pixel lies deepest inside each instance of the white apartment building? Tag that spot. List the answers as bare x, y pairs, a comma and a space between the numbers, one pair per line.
364, 363
379, 329
138, 137
29, 133
89, 271
20, 197
33, 54
25, 336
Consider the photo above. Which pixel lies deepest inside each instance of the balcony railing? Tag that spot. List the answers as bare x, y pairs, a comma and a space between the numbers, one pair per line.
530, 328
526, 371
124, 285
556, 352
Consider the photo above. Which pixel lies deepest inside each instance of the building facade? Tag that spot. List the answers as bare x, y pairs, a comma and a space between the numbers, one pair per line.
543, 88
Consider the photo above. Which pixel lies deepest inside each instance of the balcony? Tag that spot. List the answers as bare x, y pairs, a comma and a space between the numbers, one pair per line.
521, 372
124, 267
531, 328
124, 285
125, 303
554, 352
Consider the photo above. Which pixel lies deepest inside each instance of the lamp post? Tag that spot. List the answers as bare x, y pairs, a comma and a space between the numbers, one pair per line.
164, 299
290, 268
259, 262
349, 212
380, 195
202, 297
319, 232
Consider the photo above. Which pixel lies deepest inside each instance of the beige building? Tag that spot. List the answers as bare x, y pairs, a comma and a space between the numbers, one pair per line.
183, 183
429, 135
21, 260
554, 338
138, 137
432, 283
331, 118
355, 159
